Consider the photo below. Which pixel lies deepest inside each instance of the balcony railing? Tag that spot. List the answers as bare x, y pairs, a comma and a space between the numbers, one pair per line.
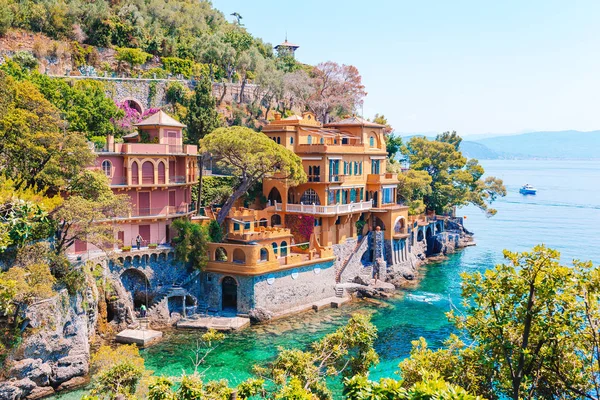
325, 210
148, 181
158, 212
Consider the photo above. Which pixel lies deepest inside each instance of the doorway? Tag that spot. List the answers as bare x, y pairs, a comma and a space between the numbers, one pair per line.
229, 295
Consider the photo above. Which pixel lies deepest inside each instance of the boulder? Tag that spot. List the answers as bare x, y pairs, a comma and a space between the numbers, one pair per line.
259, 315
69, 367
73, 383
40, 392
362, 280
33, 369
26, 385
9, 392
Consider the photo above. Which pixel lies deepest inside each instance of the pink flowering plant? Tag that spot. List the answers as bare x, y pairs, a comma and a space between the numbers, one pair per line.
131, 117
301, 226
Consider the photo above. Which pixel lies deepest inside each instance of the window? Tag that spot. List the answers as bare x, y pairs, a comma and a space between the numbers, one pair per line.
310, 197
291, 140
309, 139
388, 195
322, 140
107, 168
278, 140
318, 222
375, 167
355, 167
372, 141
360, 168
344, 141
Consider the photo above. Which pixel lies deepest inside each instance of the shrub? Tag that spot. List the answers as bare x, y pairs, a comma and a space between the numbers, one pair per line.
126, 248
152, 245
131, 56
99, 142
175, 93
25, 60
177, 66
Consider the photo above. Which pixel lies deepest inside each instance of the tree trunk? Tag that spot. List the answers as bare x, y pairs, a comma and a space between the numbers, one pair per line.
224, 93
243, 188
242, 88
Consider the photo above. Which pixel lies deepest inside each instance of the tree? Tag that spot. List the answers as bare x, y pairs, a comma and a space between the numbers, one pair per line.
382, 120
132, 56
202, 118
454, 180
191, 244
338, 90
530, 328
413, 186
393, 145
450, 138
348, 351
251, 156
117, 372
91, 201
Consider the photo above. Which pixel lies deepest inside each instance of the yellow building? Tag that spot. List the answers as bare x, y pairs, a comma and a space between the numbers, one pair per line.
345, 163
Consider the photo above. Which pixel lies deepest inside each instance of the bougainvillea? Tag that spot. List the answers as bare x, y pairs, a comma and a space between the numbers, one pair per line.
132, 116
301, 226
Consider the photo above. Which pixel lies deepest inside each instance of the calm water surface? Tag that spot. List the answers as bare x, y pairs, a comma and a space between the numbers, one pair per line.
562, 215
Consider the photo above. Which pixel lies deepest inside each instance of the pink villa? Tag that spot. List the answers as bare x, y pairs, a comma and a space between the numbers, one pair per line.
157, 171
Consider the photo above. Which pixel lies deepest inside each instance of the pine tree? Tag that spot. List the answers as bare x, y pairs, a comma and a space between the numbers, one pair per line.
202, 118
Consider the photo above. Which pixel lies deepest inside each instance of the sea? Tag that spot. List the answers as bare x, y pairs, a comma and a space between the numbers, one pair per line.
564, 214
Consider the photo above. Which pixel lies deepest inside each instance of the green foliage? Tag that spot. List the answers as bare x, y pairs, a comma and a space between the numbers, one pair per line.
176, 93
6, 16
413, 187
25, 59
191, 243
393, 144
132, 56
202, 117
215, 232
250, 387
251, 156
116, 371
160, 389
215, 190
178, 66
454, 180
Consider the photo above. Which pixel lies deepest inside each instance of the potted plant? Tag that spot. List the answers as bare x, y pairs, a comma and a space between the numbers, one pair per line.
126, 248
152, 245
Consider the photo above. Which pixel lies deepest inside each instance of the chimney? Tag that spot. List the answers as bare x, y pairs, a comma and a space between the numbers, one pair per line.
277, 116
110, 143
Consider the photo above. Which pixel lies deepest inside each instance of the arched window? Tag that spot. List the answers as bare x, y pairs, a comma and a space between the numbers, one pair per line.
239, 256
309, 139
278, 139
372, 141
135, 174
322, 140
107, 168
310, 197
276, 220
221, 255
274, 247
264, 254
291, 140
161, 173
283, 252
147, 173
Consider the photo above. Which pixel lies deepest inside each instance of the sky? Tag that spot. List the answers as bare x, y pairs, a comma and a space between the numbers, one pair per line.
478, 66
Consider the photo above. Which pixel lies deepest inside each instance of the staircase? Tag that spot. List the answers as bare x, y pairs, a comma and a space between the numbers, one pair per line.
354, 253
366, 272
339, 292
175, 290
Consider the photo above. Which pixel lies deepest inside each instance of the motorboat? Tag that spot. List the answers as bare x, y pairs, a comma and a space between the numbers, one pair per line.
527, 189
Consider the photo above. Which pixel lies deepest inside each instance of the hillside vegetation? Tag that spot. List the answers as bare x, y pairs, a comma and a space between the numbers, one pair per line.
158, 38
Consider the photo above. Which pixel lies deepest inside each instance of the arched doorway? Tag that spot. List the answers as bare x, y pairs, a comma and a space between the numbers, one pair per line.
429, 232
292, 197
399, 225
229, 294
274, 196
310, 197
420, 235
379, 223
136, 283
134, 105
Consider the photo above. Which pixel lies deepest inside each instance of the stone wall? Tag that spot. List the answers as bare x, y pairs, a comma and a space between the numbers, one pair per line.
357, 260
275, 292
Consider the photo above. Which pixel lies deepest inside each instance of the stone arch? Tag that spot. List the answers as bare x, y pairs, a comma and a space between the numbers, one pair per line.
239, 256
275, 220
310, 197
162, 257
137, 284
274, 196
429, 232
264, 254
136, 260
134, 104
220, 254
400, 225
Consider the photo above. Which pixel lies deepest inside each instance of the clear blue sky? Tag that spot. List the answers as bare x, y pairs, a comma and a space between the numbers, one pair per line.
475, 66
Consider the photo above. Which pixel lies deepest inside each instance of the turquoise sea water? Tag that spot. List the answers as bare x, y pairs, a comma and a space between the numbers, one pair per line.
564, 214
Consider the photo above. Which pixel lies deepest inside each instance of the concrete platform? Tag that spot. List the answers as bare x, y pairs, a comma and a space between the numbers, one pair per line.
140, 337
217, 323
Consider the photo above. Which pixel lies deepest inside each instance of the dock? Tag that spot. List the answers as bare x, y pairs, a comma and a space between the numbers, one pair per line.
140, 337
224, 324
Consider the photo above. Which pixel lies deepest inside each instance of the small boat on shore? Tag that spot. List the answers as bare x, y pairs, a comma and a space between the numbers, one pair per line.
527, 189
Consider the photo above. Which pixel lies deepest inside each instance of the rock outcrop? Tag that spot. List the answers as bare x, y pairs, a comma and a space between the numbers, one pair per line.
55, 350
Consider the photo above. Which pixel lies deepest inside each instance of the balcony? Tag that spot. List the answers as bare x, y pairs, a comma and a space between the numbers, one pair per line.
121, 181
153, 149
330, 148
325, 210
380, 179
163, 212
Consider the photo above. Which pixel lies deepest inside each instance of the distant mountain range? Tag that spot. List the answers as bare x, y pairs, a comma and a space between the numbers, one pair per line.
560, 144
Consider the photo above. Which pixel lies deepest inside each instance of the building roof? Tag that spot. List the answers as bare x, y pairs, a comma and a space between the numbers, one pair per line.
287, 44
161, 118
356, 121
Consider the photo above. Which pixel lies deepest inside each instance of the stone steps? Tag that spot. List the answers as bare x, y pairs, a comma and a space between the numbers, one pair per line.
339, 292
